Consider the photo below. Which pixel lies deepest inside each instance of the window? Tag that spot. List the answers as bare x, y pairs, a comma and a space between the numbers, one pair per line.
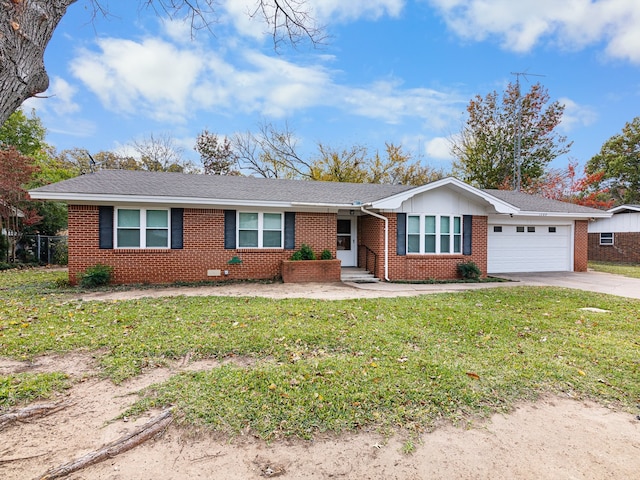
497, 229
142, 228
552, 229
259, 230
606, 239
520, 229
531, 229
434, 234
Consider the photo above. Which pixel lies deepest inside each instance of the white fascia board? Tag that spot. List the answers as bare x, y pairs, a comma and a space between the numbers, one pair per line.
622, 208
90, 199
337, 206
395, 201
564, 215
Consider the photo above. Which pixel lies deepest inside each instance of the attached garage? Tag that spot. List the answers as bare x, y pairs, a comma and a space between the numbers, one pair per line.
529, 247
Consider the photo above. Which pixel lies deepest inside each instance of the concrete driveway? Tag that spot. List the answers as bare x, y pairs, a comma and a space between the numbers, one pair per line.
589, 281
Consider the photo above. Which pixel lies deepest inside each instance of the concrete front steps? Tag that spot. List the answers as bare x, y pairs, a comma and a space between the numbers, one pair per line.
357, 275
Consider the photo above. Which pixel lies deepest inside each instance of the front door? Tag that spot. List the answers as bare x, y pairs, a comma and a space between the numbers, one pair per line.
347, 241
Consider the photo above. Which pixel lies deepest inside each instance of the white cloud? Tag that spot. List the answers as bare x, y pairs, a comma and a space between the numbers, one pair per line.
249, 21
576, 115
572, 24
387, 101
439, 148
152, 77
330, 10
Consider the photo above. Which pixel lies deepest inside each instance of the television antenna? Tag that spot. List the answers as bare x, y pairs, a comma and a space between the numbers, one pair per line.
517, 150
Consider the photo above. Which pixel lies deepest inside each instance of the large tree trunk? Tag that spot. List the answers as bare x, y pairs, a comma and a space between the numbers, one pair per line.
26, 26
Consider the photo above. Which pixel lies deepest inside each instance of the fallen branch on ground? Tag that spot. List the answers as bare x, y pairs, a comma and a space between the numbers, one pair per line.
30, 412
121, 445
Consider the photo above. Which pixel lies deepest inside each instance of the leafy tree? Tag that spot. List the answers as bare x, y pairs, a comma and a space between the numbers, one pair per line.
355, 165
216, 153
619, 159
26, 27
25, 133
486, 148
16, 212
272, 152
27, 136
348, 165
565, 185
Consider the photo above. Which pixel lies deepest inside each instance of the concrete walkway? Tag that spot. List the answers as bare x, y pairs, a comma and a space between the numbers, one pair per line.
589, 281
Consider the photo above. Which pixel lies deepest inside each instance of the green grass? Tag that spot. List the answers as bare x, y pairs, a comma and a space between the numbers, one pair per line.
27, 387
341, 365
626, 269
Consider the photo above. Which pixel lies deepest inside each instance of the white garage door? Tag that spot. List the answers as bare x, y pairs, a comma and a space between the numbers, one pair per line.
529, 248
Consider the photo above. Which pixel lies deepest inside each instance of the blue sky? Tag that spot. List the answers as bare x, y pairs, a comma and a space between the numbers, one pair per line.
392, 71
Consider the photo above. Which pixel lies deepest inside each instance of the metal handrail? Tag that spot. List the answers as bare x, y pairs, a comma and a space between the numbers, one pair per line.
366, 258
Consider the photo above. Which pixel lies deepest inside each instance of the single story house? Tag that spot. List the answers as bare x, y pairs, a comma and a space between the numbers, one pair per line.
616, 239
156, 227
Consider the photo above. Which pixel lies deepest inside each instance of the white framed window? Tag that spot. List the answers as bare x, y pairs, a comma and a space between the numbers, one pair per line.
260, 230
434, 234
142, 228
606, 238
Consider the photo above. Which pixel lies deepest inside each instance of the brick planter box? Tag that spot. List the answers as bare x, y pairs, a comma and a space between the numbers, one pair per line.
300, 271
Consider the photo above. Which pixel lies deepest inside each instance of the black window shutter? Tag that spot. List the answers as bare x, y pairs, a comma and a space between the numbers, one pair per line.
289, 230
467, 222
230, 229
401, 240
105, 227
176, 228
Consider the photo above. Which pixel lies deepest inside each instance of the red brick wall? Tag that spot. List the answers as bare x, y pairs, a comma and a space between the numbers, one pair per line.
299, 271
418, 267
203, 238
580, 246
625, 248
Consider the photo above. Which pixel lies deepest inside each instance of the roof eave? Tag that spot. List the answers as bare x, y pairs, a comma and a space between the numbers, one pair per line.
624, 208
95, 199
586, 215
98, 199
395, 201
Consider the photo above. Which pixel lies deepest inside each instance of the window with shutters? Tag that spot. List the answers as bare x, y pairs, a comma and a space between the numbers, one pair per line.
260, 230
142, 228
434, 234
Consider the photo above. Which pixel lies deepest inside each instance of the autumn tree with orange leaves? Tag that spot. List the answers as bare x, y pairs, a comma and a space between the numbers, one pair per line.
16, 213
565, 185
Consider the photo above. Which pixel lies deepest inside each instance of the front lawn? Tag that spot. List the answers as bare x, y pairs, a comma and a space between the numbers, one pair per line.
340, 365
626, 269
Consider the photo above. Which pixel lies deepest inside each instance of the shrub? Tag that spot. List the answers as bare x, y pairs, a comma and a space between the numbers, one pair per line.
326, 255
96, 276
469, 271
305, 253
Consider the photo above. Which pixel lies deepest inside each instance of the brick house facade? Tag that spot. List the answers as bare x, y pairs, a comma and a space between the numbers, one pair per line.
616, 239
164, 228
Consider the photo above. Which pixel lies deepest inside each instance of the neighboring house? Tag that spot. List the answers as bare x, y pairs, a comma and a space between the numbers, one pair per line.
616, 239
167, 227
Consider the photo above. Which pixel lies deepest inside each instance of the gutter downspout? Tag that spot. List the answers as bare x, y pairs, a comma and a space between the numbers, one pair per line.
386, 240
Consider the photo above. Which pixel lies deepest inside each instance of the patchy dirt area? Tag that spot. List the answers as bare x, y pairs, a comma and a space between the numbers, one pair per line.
554, 438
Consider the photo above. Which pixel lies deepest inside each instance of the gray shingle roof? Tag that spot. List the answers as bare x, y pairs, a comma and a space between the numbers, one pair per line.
535, 203
230, 188
175, 186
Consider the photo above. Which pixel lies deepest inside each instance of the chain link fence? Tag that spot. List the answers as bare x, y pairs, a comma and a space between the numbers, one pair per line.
44, 249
